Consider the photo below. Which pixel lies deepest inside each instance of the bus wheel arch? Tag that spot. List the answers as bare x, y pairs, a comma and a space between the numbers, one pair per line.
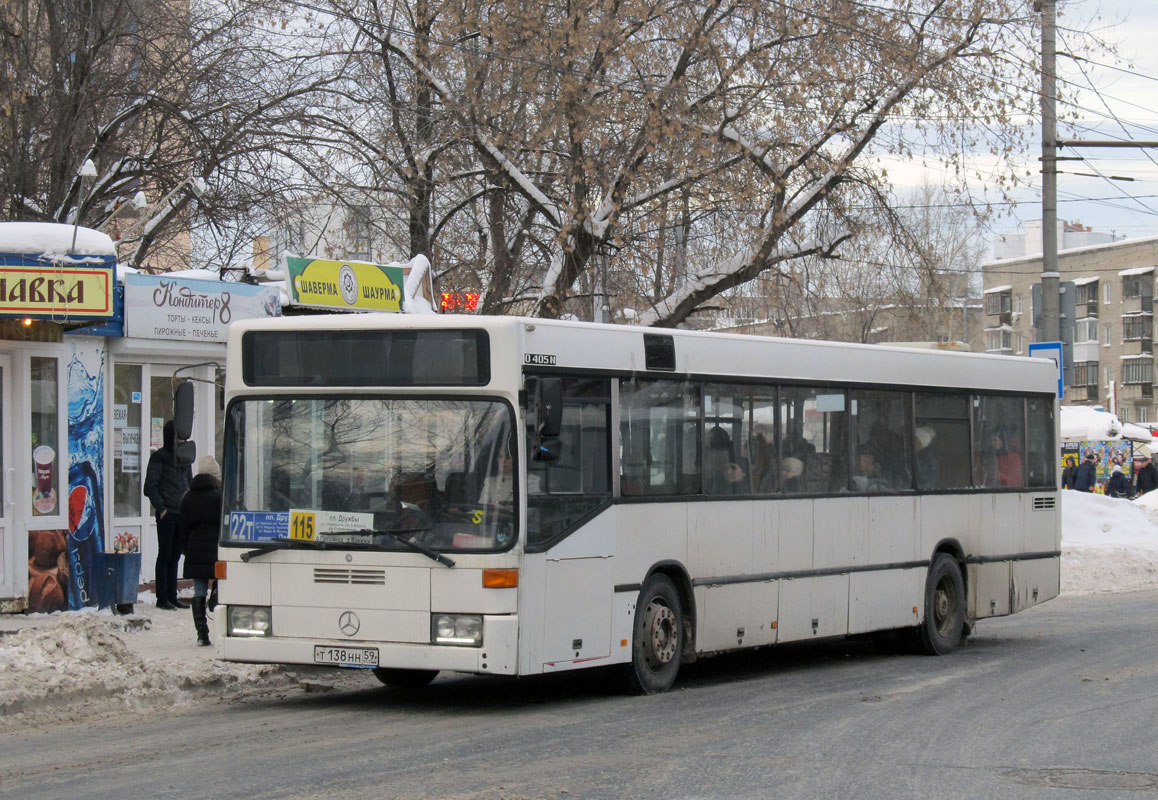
943, 626
659, 634
678, 575
953, 548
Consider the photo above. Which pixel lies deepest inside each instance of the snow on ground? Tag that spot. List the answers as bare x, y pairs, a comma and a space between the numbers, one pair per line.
1108, 544
75, 665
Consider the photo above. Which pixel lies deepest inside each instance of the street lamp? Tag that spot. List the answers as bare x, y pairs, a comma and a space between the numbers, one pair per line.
137, 203
87, 170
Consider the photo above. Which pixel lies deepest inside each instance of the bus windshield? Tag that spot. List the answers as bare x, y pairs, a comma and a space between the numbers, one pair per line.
438, 471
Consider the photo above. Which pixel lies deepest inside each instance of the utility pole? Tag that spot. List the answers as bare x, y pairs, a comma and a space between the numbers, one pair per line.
1050, 318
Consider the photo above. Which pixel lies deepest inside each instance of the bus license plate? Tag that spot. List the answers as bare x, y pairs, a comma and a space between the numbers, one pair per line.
346, 656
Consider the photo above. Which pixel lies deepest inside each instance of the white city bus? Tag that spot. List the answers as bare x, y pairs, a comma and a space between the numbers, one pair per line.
518, 496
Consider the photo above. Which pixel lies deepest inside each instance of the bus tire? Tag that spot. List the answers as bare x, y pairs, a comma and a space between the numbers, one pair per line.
944, 623
658, 637
405, 678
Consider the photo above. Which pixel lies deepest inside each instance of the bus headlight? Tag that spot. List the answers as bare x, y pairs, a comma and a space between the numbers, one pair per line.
250, 621
464, 630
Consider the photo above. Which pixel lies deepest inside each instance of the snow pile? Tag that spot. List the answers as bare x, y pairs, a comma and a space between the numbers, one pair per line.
89, 661
1108, 544
53, 240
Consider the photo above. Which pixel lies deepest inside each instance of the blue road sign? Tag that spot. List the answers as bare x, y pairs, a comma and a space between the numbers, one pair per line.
1051, 350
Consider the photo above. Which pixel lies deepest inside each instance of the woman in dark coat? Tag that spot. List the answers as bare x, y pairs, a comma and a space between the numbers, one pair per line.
198, 529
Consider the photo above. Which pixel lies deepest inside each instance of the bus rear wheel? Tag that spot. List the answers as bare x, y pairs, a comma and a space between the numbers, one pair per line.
658, 638
944, 623
405, 678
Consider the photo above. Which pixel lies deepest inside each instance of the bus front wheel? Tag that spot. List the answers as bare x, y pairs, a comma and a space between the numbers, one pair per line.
658, 637
405, 678
944, 623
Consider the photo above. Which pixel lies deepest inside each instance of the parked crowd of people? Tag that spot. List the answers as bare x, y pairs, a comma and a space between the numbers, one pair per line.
187, 509
1083, 477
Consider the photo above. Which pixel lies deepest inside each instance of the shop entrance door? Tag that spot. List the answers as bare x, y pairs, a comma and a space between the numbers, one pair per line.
10, 565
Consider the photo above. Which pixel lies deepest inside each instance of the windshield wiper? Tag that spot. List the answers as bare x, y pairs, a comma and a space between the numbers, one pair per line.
319, 543
281, 543
396, 535
269, 547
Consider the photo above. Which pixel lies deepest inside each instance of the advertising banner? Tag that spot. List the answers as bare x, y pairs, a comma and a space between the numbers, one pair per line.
73, 292
344, 285
168, 307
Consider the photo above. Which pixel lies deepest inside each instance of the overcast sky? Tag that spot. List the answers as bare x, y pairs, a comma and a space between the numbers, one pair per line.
1129, 209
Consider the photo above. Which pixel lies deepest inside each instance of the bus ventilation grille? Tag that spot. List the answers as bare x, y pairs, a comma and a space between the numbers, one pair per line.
1044, 503
357, 577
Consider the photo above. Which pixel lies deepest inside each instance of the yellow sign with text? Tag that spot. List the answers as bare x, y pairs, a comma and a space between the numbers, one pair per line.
70, 291
345, 285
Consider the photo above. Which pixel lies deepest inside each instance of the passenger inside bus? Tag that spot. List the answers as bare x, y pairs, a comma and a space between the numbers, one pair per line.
724, 473
790, 475
1000, 463
867, 476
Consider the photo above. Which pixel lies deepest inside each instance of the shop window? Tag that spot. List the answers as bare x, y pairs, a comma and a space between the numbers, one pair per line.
45, 436
127, 452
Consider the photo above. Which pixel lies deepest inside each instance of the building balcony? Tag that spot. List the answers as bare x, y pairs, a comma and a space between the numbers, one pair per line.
1138, 347
1083, 393
1136, 391
1086, 351
1138, 305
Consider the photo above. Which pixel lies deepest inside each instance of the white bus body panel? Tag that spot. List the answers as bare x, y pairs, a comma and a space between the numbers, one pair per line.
759, 552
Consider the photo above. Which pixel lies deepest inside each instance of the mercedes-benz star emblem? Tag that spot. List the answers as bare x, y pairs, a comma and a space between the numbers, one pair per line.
348, 623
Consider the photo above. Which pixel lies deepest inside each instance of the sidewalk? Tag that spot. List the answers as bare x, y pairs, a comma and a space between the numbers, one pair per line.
72, 664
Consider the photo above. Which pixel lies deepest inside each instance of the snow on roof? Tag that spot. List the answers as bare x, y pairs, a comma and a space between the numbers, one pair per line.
52, 239
1136, 271
1086, 424
1084, 281
1136, 433
994, 289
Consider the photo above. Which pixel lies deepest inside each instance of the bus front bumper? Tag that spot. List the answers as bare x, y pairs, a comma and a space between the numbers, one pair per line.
497, 656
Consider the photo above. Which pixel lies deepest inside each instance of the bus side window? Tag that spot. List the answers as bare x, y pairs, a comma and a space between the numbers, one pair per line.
659, 436
561, 492
941, 441
1041, 462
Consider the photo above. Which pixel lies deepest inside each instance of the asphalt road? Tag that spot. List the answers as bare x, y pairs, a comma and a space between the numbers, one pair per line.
1058, 702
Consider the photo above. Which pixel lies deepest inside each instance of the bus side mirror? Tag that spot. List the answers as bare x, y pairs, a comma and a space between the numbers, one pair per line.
183, 409
550, 408
548, 450
185, 452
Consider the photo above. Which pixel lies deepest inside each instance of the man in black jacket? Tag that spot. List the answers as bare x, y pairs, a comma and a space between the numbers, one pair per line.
1145, 473
1086, 477
165, 484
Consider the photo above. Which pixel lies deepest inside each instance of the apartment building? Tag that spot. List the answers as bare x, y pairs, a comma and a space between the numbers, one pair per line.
1107, 307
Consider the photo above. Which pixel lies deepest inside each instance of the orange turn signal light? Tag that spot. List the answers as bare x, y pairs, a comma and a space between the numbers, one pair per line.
500, 578
219, 570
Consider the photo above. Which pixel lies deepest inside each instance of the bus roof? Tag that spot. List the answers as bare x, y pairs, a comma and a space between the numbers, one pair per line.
573, 345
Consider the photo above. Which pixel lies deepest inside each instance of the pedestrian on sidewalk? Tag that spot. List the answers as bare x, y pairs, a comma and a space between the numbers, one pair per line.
199, 529
1145, 473
1119, 484
165, 484
1086, 477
